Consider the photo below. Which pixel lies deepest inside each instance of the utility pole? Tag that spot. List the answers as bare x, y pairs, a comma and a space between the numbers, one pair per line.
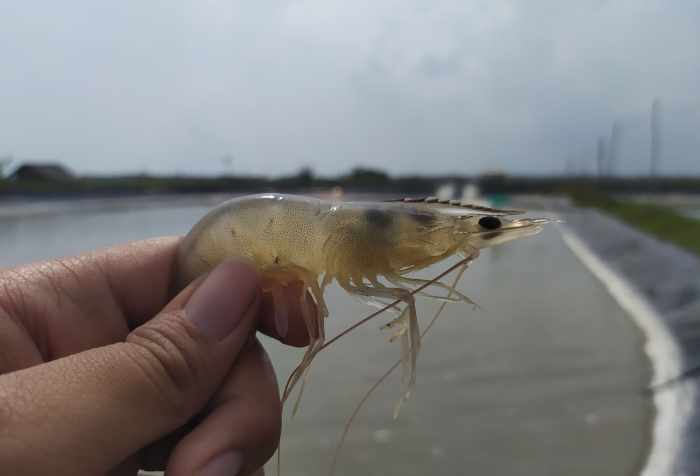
655, 144
227, 160
614, 148
602, 169
570, 167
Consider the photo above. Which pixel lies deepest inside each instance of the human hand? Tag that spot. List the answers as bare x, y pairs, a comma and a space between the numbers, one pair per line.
100, 373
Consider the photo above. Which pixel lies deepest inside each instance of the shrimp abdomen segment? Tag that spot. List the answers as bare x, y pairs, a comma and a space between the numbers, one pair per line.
274, 231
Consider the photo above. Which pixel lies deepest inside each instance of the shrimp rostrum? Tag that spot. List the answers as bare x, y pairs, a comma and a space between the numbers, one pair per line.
368, 248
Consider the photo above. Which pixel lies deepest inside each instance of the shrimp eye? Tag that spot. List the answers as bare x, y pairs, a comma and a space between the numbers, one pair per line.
490, 223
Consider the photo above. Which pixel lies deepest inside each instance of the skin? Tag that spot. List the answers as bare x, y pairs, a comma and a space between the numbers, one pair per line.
104, 368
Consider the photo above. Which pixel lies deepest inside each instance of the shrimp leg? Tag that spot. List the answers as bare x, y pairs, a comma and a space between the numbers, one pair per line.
411, 342
320, 335
348, 423
315, 326
316, 329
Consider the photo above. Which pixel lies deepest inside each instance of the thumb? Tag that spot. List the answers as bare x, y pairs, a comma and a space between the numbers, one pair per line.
85, 413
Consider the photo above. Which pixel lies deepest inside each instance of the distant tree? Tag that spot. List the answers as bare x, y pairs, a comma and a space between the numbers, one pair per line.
367, 178
305, 177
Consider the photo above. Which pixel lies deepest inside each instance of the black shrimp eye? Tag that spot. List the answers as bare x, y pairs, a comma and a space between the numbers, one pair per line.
490, 223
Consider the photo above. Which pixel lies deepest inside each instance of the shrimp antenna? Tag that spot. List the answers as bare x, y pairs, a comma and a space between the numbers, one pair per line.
336, 455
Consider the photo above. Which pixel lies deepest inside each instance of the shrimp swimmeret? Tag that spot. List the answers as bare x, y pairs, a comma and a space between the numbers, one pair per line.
367, 247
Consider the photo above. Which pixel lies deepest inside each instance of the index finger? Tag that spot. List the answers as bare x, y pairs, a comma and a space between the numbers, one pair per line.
138, 278
131, 269
67, 305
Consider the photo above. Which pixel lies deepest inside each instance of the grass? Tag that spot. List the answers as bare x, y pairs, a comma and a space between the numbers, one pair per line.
661, 222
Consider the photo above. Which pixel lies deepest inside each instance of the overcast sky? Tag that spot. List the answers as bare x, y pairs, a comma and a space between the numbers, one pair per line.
413, 87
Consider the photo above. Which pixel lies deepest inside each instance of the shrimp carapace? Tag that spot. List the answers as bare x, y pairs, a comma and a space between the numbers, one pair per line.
368, 248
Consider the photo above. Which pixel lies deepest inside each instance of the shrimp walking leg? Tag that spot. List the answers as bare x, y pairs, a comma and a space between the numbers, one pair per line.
411, 339
346, 429
315, 326
314, 347
320, 339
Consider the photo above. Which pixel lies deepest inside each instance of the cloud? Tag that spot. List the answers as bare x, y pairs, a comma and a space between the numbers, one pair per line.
454, 86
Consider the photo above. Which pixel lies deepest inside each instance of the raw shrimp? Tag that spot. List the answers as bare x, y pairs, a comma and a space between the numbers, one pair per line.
368, 248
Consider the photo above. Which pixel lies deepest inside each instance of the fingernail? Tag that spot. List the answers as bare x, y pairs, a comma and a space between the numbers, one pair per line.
281, 321
226, 464
281, 313
221, 301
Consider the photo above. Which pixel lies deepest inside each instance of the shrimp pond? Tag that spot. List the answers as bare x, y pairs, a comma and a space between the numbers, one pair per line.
546, 378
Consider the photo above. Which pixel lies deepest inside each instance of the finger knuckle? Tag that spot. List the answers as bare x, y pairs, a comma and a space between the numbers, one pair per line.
165, 353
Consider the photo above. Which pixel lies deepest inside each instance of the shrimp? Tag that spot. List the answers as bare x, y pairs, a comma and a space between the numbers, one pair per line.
368, 248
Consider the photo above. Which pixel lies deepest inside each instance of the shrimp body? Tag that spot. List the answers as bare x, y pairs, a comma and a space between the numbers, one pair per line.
347, 241
367, 247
